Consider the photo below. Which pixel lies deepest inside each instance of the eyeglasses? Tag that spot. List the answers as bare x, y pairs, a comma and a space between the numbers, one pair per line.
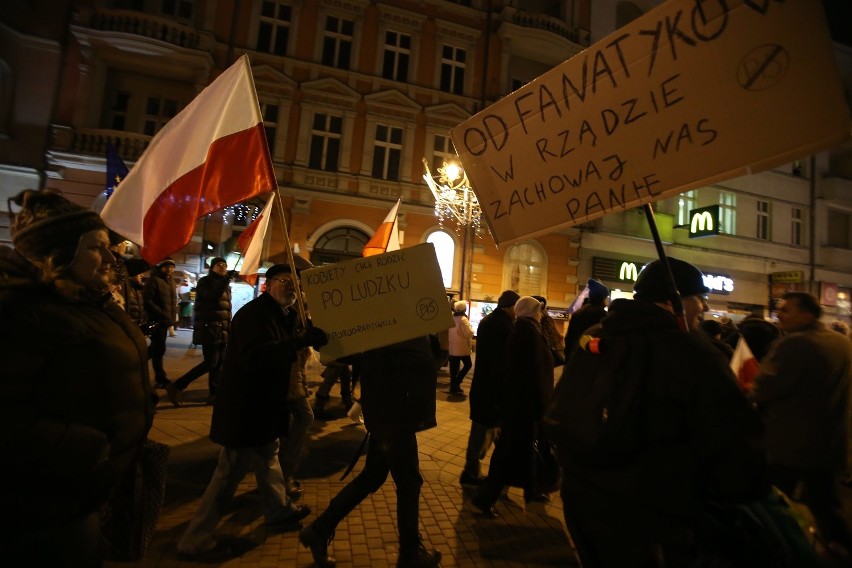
280, 279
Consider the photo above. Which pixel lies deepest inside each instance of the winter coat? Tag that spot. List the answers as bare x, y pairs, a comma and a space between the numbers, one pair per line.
398, 385
529, 387
134, 302
490, 373
701, 438
460, 336
802, 393
251, 397
160, 298
76, 404
212, 310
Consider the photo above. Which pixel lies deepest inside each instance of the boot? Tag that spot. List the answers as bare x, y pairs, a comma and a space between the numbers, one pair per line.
418, 557
319, 405
294, 487
311, 538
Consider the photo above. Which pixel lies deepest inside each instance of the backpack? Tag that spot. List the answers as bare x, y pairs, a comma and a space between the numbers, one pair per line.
596, 417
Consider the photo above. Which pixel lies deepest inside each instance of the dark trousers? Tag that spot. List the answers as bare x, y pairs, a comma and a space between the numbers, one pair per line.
456, 376
512, 462
821, 493
394, 453
214, 355
157, 350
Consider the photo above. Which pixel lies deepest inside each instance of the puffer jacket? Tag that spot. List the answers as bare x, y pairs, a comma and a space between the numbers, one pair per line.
212, 310
76, 404
461, 335
161, 298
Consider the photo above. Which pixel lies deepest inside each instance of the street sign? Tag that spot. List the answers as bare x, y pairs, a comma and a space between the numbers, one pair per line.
689, 94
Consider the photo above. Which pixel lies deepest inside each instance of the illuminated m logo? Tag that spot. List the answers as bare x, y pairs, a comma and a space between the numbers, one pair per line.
705, 222
702, 222
628, 272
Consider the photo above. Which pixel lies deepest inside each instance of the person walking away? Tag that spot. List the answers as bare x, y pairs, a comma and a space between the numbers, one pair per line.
802, 393
529, 389
488, 384
75, 408
676, 433
592, 312
250, 413
161, 307
461, 338
134, 303
398, 400
212, 324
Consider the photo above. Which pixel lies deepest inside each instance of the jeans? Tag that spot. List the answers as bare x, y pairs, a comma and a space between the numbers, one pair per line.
232, 467
480, 440
301, 418
388, 452
214, 355
156, 351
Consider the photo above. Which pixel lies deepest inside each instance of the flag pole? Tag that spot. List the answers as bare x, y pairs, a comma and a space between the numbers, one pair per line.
677, 304
300, 305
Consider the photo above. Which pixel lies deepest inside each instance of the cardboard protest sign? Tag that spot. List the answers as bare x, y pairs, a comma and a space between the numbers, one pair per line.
693, 92
378, 300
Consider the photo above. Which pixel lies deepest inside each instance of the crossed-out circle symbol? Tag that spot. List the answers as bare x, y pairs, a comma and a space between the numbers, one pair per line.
427, 308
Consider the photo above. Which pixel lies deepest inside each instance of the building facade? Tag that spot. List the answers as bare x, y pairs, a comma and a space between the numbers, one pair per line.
355, 94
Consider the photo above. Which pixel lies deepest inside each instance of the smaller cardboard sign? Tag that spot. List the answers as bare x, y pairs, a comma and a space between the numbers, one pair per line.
379, 300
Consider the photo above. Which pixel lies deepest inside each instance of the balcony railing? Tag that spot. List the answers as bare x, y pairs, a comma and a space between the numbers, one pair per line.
93, 142
546, 23
140, 23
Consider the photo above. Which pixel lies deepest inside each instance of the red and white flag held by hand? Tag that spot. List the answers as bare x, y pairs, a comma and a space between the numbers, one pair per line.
745, 366
251, 243
386, 238
211, 155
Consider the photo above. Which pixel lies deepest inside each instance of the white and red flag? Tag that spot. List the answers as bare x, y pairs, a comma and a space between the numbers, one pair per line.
386, 238
251, 243
745, 366
211, 155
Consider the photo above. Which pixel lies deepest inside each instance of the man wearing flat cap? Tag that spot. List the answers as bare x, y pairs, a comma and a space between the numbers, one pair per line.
251, 413
488, 383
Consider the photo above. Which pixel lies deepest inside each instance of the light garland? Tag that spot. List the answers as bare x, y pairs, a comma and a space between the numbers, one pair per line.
240, 213
455, 200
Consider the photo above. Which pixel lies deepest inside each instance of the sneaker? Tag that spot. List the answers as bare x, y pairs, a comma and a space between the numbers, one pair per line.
312, 539
174, 394
468, 479
418, 558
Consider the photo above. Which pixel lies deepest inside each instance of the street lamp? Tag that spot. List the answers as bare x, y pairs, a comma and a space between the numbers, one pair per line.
456, 203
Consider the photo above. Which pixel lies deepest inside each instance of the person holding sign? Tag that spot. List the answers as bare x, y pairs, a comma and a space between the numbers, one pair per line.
398, 399
250, 413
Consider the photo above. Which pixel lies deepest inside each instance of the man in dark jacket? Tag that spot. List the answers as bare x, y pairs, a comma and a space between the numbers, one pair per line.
212, 323
398, 399
488, 383
802, 392
634, 497
161, 306
250, 412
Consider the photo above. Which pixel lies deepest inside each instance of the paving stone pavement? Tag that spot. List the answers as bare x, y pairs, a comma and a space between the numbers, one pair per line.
529, 536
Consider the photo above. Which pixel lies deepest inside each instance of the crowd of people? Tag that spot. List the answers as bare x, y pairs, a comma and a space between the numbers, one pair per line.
647, 420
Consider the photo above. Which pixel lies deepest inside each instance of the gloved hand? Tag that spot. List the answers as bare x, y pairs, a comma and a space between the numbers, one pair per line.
310, 337
232, 274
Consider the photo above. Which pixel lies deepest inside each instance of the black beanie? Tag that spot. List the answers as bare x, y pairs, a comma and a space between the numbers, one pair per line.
48, 226
653, 284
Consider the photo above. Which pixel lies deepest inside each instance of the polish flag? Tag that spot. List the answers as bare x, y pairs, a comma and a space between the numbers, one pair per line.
744, 366
386, 238
211, 155
251, 243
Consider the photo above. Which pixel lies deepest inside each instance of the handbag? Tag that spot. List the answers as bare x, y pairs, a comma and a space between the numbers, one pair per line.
129, 518
547, 472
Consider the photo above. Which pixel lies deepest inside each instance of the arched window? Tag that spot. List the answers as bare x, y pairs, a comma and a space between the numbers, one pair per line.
338, 244
525, 269
445, 250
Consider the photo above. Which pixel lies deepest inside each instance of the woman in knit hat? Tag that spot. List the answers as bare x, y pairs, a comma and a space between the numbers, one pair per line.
75, 406
461, 338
